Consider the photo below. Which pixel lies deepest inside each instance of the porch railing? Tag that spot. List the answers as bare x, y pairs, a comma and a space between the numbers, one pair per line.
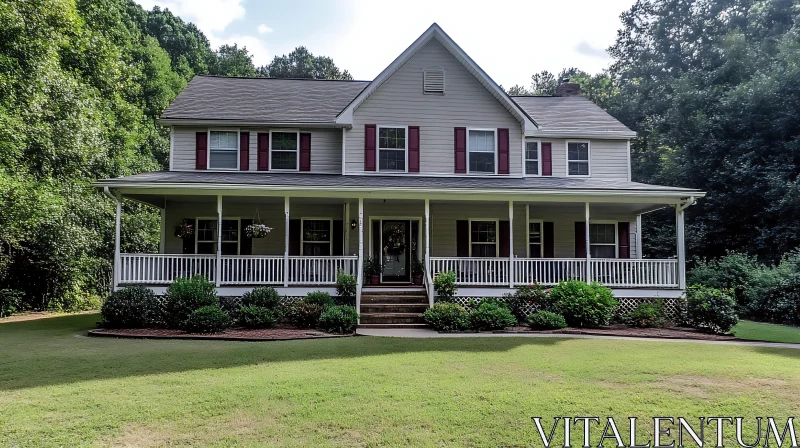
252, 270
548, 271
473, 271
319, 270
162, 269
642, 273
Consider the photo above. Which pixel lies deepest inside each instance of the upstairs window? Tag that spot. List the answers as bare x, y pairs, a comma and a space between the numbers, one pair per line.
483, 238
532, 158
577, 158
481, 151
603, 240
223, 151
392, 146
433, 81
316, 237
283, 150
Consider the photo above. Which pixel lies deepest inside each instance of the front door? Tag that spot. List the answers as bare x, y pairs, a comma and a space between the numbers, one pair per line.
396, 242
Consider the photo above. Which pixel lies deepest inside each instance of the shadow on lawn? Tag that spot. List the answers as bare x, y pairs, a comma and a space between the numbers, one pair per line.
57, 351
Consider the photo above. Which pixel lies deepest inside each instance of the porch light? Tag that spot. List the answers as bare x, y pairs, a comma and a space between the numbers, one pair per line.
353, 224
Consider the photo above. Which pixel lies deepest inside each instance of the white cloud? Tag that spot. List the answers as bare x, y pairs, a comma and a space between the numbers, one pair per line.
264, 29
586, 49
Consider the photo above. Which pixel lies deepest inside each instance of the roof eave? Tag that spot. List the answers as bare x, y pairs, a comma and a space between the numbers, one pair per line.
577, 133
245, 123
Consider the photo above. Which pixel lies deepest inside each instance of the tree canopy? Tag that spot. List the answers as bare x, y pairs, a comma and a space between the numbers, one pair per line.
301, 63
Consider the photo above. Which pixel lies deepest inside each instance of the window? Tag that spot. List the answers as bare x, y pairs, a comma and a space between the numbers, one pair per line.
481, 150
391, 149
532, 158
433, 80
207, 236
223, 150
577, 158
535, 239
603, 240
483, 238
316, 237
283, 150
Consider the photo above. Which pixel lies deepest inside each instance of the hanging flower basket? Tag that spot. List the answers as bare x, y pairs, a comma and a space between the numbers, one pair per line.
184, 230
257, 230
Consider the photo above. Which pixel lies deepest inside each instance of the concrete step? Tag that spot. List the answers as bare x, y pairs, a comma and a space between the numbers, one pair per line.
376, 308
389, 298
389, 292
392, 318
393, 326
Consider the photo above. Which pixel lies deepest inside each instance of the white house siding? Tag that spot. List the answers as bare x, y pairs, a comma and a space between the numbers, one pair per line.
608, 158
326, 148
400, 101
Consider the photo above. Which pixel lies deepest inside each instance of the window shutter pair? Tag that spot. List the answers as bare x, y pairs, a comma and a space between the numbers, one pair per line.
371, 148
201, 150
337, 237
623, 239
263, 151
460, 150
462, 238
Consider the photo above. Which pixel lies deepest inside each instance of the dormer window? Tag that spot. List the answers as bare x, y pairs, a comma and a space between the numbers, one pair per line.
433, 80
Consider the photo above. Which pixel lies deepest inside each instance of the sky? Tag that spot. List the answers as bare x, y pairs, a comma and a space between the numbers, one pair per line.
512, 41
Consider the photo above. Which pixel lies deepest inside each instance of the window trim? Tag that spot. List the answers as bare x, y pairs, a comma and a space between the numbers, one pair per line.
215, 218
616, 237
378, 147
494, 130
588, 155
303, 233
541, 237
497, 235
238, 148
525, 157
297, 149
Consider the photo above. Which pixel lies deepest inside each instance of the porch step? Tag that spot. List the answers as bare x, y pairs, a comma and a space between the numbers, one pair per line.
392, 318
392, 326
393, 298
377, 308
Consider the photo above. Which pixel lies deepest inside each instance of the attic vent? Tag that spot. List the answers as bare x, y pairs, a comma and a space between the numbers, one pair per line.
433, 80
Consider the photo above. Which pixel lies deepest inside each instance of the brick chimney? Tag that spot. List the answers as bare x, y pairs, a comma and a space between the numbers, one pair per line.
567, 88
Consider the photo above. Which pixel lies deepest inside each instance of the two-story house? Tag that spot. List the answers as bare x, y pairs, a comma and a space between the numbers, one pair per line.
430, 162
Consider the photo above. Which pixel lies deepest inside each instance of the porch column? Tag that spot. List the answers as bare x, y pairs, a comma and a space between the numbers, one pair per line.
286, 242
588, 248
117, 258
346, 226
681, 247
162, 243
510, 244
639, 252
218, 266
428, 248
360, 275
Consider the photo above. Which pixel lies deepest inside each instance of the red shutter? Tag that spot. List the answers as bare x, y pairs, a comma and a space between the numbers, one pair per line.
305, 152
337, 237
549, 240
624, 237
580, 239
376, 240
462, 238
369, 147
201, 151
503, 234
502, 151
547, 159
263, 151
244, 151
413, 149
294, 237
460, 145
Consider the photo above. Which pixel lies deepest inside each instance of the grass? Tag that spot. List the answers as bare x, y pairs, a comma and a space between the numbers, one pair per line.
760, 331
61, 388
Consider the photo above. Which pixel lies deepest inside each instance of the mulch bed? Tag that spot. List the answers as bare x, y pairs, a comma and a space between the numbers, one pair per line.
624, 330
233, 334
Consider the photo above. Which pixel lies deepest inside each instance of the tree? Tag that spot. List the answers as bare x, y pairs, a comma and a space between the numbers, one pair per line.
518, 90
302, 64
543, 83
230, 60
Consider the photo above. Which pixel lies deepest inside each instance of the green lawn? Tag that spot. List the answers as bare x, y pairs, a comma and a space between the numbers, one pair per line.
61, 388
759, 331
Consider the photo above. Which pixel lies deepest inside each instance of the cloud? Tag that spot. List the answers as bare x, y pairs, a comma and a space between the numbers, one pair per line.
586, 49
263, 29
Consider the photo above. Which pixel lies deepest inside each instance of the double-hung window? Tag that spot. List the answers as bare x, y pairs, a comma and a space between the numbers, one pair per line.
535, 239
483, 238
392, 146
577, 158
603, 240
284, 150
206, 236
316, 237
481, 149
532, 158
223, 151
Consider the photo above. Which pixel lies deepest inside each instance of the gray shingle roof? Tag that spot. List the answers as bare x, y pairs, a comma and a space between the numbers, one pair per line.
263, 100
569, 115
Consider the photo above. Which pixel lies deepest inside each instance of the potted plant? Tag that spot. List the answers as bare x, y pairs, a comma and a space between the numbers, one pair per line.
417, 271
372, 270
184, 230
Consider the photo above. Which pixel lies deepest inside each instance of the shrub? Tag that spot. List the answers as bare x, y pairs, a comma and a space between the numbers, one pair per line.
647, 315
584, 305
447, 316
319, 297
258, 317
186, 295
738, 272
207, 319
546, 320
305, 314
711, 308
339, 319
131, 307
526, 298
10, 300
445, 285
264, 297
491, 315
346, 286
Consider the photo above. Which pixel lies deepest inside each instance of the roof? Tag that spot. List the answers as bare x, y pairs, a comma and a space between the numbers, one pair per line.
570, 116
301, 181
262, 100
